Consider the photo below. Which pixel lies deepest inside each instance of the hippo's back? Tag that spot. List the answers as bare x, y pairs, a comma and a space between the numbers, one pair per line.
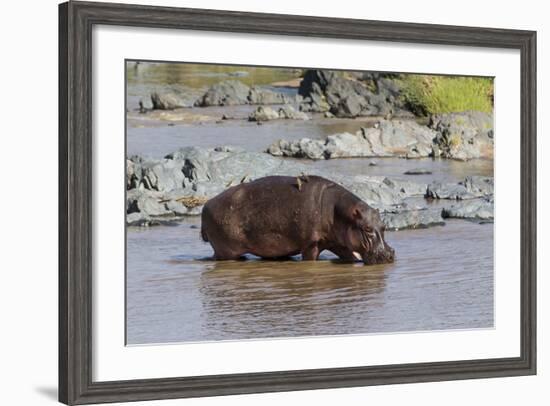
268, 205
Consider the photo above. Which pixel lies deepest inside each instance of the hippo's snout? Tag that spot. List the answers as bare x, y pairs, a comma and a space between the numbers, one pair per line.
382, 256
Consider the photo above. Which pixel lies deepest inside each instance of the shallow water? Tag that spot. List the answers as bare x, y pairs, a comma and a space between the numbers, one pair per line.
157, 141
442, 279
149, 75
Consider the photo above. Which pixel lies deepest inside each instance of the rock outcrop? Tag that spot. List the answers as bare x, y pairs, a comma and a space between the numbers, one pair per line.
227, 93
464, 136
351, 95
401, 138
233, 92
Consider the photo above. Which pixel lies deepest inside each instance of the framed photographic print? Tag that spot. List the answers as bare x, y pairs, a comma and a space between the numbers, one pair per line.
258, 202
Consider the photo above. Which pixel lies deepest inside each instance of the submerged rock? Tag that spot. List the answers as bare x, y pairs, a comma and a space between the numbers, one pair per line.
418, 171
267, 113
412, 219
289, 113
470, 188
454, 191
478, 209
263, 114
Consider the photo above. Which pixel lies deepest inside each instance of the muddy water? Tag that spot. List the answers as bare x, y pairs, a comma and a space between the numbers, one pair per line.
442, 279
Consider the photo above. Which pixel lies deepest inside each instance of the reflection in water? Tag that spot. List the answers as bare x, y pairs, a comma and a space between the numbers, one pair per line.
294, 298
442, 279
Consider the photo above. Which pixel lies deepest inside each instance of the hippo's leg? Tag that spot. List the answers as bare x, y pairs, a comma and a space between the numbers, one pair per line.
311, 253
227, 253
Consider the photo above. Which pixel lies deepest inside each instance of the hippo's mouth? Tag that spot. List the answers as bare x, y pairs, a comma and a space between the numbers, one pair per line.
381, 257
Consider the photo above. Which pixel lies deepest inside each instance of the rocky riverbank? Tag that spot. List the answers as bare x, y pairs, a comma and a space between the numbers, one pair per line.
168, 189
461, 136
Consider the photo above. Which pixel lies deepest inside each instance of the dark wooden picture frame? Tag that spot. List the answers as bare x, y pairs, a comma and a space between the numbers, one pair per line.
76, 20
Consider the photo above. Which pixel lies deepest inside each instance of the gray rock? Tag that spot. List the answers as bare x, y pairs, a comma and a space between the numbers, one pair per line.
229, 148
454, 191
315, 82
289, 113
407, 188
145, 104
176, 207
471, 188
228, 93
303, 148
373, 190
163, 175
350, 95
207, 189
406, 136
418, 171
349, 106
465, 135
259, 95
347, 145
315, 103
145, 202
137, 219
133, 174
412, 219
263, 114
479, 185
388, 138
196, 163
477, 209
171, 100
246, 166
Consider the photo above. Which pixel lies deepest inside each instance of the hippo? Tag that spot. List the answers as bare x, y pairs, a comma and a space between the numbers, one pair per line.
281, 216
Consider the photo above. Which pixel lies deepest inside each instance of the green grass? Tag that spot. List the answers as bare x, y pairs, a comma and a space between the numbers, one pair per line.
427, 94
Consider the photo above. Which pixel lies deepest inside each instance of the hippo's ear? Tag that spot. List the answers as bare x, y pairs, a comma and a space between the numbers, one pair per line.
360, 217
352, 214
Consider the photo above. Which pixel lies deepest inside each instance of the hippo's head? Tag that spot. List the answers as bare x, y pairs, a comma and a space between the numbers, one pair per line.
364, 235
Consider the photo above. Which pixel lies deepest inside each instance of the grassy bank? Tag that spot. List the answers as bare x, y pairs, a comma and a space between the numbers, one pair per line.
428, 94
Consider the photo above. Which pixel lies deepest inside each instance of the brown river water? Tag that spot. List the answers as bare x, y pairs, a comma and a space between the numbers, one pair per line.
442, 277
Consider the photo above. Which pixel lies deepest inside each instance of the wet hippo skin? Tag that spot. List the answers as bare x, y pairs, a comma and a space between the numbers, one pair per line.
282, 216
